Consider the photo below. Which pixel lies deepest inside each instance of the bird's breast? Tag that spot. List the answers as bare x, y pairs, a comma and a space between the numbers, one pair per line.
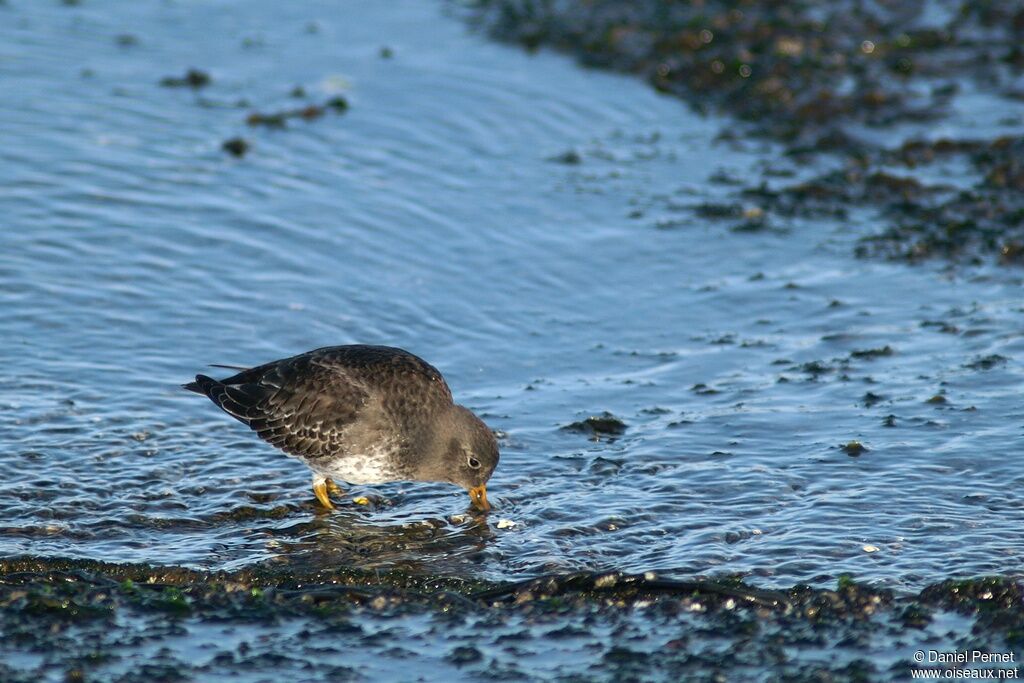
375, 466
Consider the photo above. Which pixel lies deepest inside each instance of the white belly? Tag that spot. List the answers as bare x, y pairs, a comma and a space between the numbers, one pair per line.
353, 469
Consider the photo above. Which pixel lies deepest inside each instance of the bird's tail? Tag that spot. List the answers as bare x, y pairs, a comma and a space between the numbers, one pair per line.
201, 385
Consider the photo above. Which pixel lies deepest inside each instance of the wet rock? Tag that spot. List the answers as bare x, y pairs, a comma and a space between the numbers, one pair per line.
605, 467
985, 219
237, 147
816, 368
1012, 253
806, 75
869, 399
853, 448
193, 78
873, 353
987, 362
941, 326
569, 157
776, 65
597, 426
914, 616
463, 655
90, 616
337, 103
719, 210
972, 595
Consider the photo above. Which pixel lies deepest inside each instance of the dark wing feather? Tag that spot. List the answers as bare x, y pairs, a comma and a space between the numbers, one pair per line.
304, 404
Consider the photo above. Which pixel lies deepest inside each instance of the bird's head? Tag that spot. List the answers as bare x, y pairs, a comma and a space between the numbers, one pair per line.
467, 454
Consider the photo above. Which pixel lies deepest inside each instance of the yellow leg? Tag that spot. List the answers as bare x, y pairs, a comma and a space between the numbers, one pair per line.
320, 489
333, 488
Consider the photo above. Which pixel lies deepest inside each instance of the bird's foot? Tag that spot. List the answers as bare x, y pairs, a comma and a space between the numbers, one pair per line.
320, 487
333, 488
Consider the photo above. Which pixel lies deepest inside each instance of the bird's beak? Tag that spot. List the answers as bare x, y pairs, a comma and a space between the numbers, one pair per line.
478, 496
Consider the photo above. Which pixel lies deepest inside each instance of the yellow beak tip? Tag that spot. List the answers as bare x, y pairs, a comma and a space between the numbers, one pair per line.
478, 497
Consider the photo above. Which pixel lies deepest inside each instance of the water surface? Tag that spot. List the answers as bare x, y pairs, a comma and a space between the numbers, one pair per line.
435, 215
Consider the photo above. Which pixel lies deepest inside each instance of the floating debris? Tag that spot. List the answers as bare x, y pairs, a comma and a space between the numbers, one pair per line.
310, 112
193, 78
506, 524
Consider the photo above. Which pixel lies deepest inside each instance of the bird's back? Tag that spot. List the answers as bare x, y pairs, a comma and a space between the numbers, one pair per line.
328, 401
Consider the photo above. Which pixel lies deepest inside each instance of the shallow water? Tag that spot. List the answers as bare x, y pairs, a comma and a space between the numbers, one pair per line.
431, 216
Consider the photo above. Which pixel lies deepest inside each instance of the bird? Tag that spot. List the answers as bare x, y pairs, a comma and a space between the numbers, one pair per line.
360, 414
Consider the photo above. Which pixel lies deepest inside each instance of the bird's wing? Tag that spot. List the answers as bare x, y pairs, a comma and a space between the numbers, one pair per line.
304, 404
298, 405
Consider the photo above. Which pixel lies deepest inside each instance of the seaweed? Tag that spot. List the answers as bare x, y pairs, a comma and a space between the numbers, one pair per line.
86, 619
812, 76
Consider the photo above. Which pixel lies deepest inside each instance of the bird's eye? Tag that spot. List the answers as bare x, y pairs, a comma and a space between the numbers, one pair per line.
474, 463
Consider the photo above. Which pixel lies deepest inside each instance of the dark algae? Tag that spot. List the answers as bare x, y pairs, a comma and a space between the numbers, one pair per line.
310, 112
777, 64
600, 426
196, 79
193, 78
237, 147
848, 84
88, 620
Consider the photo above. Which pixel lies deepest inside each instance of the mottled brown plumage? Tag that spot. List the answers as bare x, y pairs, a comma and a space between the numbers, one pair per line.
363, 414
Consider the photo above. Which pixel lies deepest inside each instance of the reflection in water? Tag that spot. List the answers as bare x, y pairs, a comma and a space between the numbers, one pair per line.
351, 539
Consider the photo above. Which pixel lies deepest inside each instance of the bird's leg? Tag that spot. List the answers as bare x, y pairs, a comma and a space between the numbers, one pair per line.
320, 486
333, 488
